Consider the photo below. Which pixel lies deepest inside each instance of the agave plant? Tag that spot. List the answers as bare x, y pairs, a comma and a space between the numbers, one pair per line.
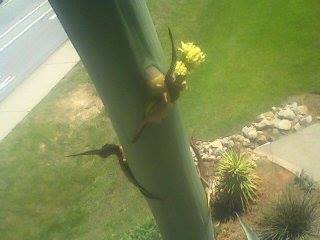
130, 37
250, 234
237, 185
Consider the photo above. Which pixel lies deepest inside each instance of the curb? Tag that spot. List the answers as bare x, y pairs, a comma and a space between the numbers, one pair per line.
33, 89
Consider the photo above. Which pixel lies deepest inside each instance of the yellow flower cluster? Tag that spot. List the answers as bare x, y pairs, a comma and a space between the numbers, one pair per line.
191, 53
191, 56
180, 69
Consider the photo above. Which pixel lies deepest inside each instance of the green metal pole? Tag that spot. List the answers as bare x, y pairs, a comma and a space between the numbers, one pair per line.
116, 40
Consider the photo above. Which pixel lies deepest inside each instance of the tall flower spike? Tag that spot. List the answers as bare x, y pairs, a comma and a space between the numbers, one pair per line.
173, 57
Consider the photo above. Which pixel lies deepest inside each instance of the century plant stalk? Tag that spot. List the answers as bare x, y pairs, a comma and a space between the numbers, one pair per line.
117, 41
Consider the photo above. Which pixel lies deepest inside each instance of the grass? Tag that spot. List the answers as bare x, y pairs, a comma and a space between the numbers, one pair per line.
258, 54
147, 231
44, 195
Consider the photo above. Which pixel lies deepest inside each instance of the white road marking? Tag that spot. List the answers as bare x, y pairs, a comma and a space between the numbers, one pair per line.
53, 17
22, 19
7, 81
6, 3
24, 30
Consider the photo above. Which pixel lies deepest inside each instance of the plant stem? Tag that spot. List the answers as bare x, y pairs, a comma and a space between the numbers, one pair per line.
116, 40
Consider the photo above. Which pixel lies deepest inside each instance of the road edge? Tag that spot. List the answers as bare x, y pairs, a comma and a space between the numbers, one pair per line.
33, 89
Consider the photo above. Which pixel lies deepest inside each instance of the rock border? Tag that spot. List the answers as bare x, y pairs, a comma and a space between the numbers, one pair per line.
267, 127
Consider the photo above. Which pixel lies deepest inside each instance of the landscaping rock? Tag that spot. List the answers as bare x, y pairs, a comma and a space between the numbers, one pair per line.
253, 156
208, 158
309, 119
216, 144
294, 105
246, 142
283, 124
270, 126
266, 115
261, 139
240, 141
205, 149
249, 132
301, 110
264, 123
226, 142
286, 114
305, 120
269, 115
230, 144
297, 126
237, 138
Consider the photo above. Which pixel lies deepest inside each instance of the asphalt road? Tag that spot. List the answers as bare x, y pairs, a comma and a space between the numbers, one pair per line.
29, 33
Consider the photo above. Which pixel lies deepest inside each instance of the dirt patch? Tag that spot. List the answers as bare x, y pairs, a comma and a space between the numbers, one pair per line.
42, 147
311, 100
81, 104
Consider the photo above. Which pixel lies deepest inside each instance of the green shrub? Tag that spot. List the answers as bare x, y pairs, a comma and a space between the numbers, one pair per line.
146, 231
291, 216
237, 186
305, 182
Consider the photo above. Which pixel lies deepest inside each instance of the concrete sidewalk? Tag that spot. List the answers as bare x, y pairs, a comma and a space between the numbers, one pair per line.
29, 93
297, 151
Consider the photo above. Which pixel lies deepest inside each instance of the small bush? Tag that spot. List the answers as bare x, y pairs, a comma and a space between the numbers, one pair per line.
292, 216
237, 186
146, 231
305, 182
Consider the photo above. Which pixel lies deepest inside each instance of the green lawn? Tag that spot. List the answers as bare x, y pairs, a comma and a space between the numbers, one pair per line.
258, 53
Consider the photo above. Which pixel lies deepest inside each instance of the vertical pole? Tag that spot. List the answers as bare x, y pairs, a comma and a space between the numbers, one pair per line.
116, 41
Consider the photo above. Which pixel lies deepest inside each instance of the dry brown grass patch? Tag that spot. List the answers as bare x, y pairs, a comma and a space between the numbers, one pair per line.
80, 105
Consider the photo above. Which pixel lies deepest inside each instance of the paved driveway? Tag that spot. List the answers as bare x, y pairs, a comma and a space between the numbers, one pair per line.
297, 151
